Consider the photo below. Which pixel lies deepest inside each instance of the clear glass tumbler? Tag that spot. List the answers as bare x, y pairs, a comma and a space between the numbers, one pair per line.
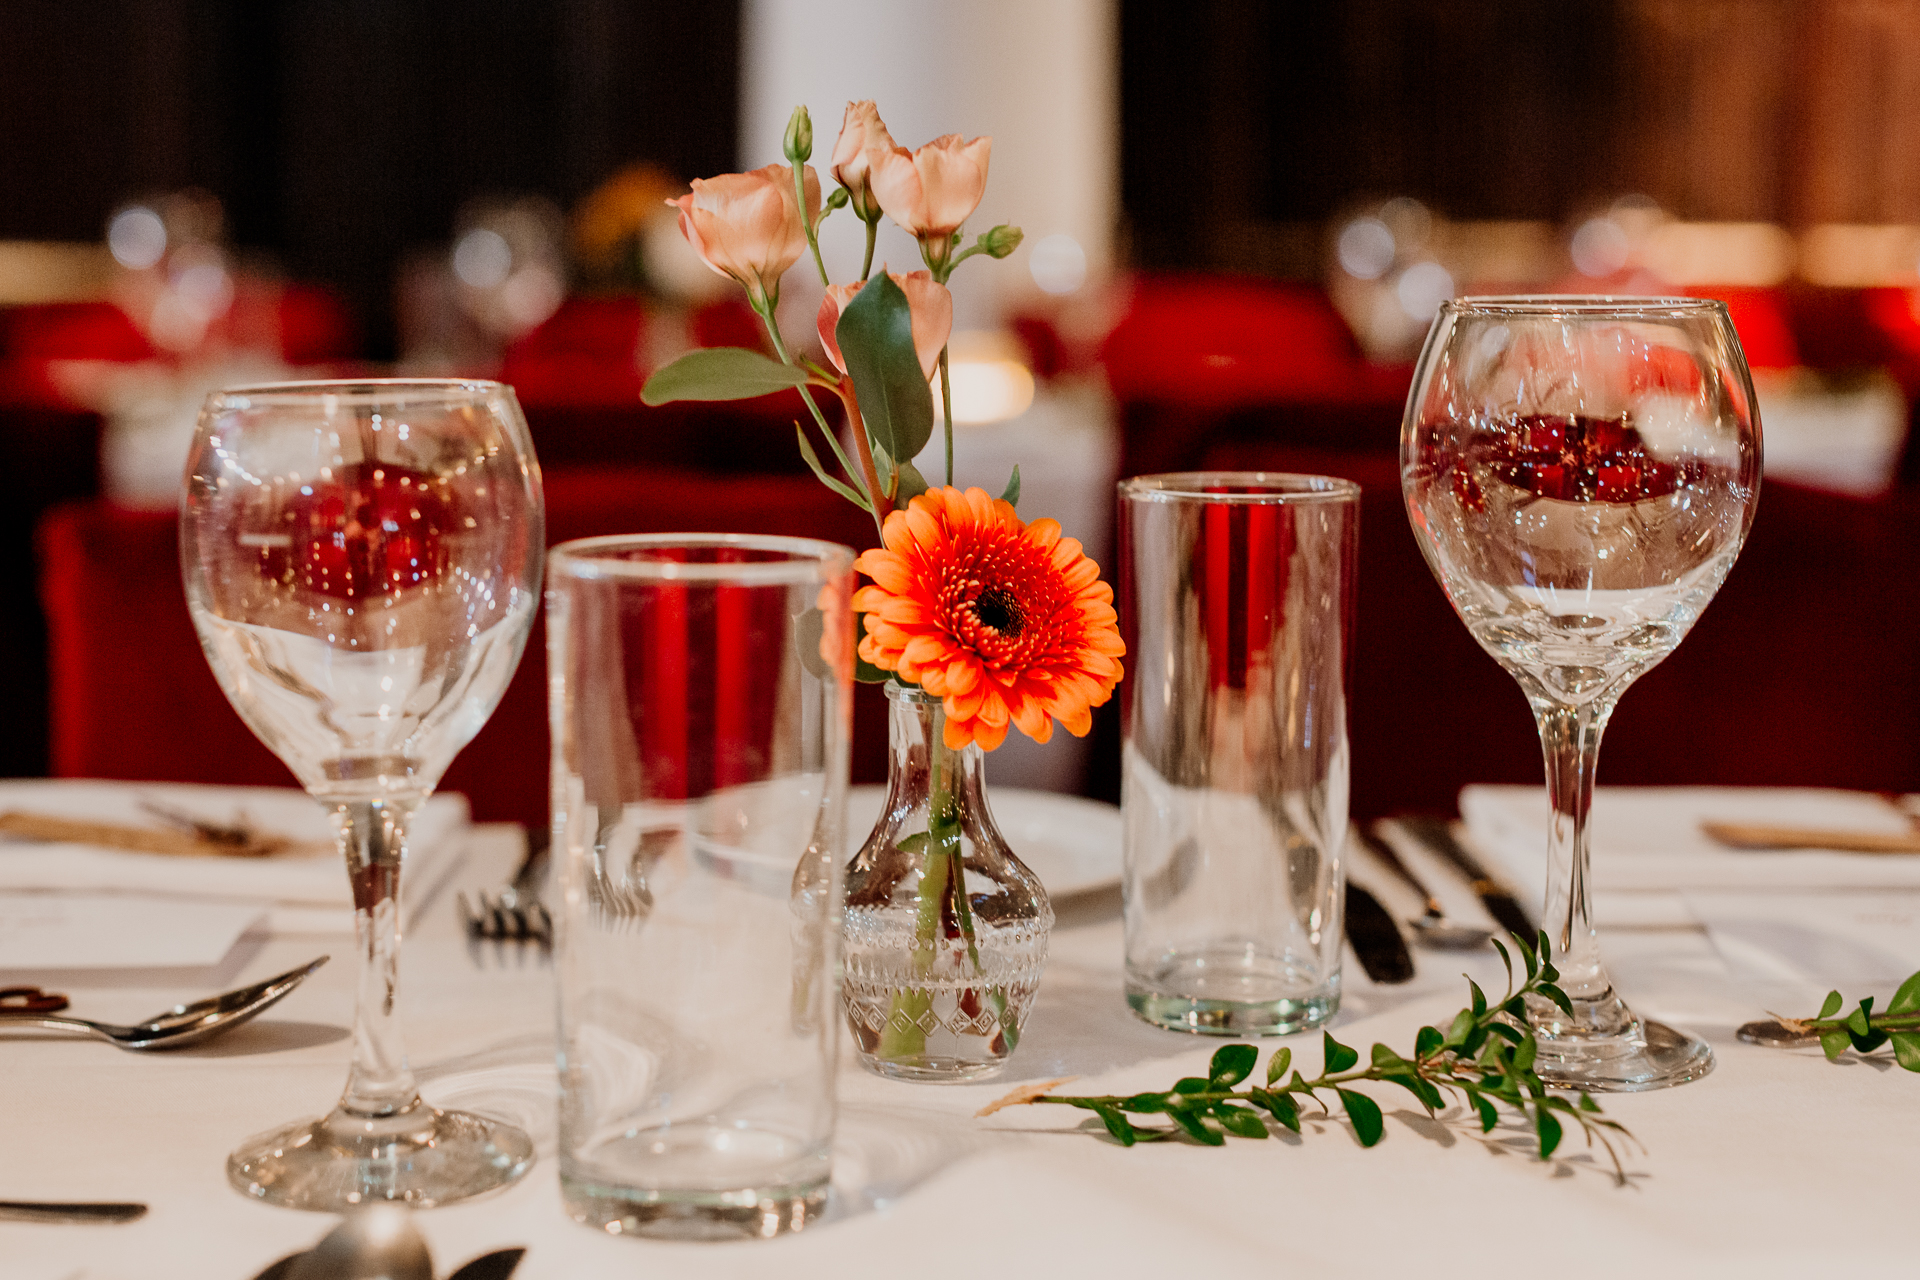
700, 695
1236, 603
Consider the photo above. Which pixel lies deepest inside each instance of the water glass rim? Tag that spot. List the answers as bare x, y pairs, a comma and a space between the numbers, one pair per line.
1580, 305
359, 390
611, 557
1255, 488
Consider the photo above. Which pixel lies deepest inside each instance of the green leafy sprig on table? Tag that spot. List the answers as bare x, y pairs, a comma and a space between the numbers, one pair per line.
1485, 1057
1863, 1030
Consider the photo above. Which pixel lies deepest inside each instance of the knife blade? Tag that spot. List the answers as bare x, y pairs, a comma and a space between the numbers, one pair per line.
497, 1265
90, 1211
1376, 938
1436, 835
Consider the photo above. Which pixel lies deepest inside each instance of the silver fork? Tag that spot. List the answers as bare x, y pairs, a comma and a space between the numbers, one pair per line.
516, 913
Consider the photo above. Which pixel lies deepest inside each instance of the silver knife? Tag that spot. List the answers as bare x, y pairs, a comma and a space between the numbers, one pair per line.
85, 1211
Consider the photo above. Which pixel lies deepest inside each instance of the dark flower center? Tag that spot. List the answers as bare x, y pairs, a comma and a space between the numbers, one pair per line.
998, 610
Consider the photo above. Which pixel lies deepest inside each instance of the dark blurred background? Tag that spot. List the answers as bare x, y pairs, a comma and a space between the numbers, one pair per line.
1268, 201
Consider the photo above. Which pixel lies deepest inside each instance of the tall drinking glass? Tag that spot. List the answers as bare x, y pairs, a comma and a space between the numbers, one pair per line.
1581, 473
701, 689
362, 562
1236, 603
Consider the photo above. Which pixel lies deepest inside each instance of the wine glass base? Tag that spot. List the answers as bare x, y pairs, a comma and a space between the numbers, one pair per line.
422, 1157
1648, 1055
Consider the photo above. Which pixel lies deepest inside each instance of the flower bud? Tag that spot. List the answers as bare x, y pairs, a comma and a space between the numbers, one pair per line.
839, 198
799, 140
1002, 240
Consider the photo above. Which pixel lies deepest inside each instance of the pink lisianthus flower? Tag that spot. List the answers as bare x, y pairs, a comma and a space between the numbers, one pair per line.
930, 303
931, 191
861, 131
748, 226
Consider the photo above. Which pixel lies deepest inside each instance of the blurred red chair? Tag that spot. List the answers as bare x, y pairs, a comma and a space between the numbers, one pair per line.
132, 697
1200, 360
1761, 316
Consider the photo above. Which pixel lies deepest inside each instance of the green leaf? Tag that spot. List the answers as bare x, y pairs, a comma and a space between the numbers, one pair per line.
1190, 1084
1832, 1006
1238, 1120
1869, 1042
1586, 1103
1338, 1056
1423, 1090
1145, 1103
1545, 946
1906, 1049
1476, 1038
1479, 998
1461, 1028
721, 373
1548, 973
1011, 495
1428, 1042
1549, 1130
876, 337
866, 673
1387, 1058
1834, 1043
1365, 1114
1527, 957
1278, 1064
1197, 1129
1556, 995
1283, 1108
1858, 1021
1508, 1032
840, 487
1231, 1064
1489, 1114
1905, 1000
912, 485
1117, 1125
1516, 1008
1524, 1054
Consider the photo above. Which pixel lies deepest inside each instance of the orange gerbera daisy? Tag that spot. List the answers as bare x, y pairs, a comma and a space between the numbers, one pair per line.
1004, 622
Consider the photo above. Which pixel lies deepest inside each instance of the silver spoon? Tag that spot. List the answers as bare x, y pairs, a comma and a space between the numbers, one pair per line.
1431, 928
179, 1026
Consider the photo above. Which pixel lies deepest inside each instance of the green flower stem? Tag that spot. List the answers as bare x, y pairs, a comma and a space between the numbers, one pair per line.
943, 890
946, 407
873, 232
764, 308
813, 233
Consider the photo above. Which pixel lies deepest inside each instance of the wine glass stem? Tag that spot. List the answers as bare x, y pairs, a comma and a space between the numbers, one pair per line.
1570, 740
373, 835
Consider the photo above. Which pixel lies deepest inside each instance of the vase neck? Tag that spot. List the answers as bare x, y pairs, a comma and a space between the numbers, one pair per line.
919, 760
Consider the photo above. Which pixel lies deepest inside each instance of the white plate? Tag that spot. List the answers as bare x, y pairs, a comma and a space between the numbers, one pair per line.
1072, 844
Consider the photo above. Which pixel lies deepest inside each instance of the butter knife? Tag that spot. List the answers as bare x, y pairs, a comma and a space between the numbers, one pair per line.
1376, 938
87, 1211
1436, 834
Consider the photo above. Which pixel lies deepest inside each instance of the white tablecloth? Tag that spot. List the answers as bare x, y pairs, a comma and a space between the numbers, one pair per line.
1766, 1168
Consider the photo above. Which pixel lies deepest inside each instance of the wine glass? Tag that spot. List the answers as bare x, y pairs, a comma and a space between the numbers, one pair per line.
1580, 473
362, 562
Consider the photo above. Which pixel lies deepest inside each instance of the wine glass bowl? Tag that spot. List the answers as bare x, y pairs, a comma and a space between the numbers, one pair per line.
362, 564
1580, 474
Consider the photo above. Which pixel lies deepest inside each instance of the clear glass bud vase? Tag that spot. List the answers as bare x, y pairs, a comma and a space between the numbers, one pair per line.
946, 930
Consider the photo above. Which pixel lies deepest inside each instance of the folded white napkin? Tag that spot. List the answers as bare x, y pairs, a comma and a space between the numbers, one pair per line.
318, 879
1650, 838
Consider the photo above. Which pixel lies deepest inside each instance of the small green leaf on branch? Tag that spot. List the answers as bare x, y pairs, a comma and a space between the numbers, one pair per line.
720, 373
